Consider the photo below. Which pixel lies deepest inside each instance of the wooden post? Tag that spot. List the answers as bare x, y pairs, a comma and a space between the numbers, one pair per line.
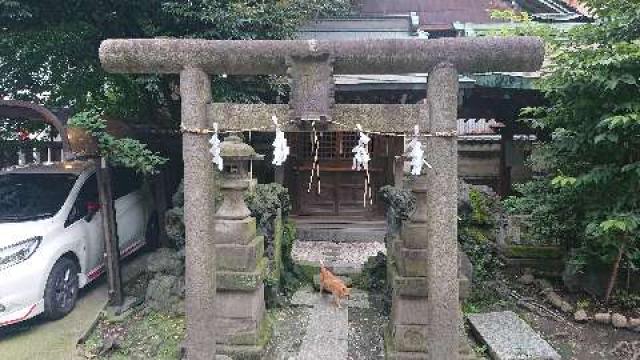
111, 251
159, 192
506, 154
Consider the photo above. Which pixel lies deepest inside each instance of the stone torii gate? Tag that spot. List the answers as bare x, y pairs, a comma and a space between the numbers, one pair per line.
426, 311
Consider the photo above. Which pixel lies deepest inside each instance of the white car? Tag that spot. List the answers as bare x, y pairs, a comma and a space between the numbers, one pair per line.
51, 236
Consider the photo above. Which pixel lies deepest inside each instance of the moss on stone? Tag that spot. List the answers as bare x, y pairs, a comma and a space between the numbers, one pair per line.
531, 251
242, 281
254, 351
276, 263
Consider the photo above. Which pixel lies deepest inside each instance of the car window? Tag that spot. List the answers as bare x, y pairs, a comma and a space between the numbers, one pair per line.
125, 181
88, 194
31, 196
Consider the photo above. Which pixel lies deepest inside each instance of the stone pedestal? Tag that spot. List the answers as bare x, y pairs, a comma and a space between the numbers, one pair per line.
240, 327
408, 278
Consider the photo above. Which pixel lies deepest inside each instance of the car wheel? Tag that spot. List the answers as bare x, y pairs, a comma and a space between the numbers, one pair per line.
61, 292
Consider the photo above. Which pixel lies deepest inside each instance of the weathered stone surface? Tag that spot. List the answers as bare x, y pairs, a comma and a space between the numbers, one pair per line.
509, 338
410, 286
131, 270
410, 338
465, 267
238, 331
242, 281
164, 293
414, 235
441, 200
634, 324
312, 87
244, 352
239, 232
195, 92
174, 225
412, 262
234, 257
380, 117
166, 261
377, 56
407, 356
409, 311
581, 316
241, 304
346, 235
558, 302
619, 320
416, 286
602, 318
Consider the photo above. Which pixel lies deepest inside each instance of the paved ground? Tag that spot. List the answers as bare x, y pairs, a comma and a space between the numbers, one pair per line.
314, 329
328, 328
37, 339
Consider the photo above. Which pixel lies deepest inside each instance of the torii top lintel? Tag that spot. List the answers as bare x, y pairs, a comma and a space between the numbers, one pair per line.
380, 56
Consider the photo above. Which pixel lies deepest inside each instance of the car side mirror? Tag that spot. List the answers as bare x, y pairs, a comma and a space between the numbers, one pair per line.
92, 208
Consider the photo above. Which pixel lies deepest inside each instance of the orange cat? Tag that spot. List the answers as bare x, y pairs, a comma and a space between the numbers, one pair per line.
334, 285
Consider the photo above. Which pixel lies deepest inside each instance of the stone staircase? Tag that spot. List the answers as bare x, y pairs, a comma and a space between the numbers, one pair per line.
340, 229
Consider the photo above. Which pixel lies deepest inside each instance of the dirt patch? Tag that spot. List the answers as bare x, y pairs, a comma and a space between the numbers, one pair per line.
145, 334
588, 341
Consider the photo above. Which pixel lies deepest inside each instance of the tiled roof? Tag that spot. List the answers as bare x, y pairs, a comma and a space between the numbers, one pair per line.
478, 126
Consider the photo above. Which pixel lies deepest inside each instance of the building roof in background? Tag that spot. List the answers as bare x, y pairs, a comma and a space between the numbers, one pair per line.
375, 27
442, 14
485, 130
478, 126
435, 14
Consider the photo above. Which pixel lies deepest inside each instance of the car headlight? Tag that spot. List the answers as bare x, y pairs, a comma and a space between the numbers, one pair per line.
17, 253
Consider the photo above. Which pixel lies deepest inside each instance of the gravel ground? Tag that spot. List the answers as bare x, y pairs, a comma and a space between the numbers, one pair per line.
366, 329
340, 255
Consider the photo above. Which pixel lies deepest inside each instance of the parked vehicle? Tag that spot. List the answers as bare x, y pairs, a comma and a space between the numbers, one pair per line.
51, 234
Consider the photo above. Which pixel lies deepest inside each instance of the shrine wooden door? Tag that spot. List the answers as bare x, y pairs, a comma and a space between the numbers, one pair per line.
342, 190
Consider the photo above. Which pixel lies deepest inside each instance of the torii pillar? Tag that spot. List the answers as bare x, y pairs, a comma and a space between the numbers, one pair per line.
429, 254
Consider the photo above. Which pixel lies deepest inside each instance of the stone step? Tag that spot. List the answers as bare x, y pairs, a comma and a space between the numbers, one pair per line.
509, 338
340, 230
340, 235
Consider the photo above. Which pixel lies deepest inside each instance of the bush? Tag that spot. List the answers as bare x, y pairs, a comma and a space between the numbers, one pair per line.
264, 203
553, 211
476, 232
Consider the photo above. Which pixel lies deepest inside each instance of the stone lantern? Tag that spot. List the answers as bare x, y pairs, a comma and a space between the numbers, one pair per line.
236, 157
240, 262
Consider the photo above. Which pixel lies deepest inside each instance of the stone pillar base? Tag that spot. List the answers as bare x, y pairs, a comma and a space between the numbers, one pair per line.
252, 351
464, 350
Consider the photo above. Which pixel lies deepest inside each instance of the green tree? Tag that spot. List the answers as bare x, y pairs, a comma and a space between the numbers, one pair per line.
593, 156
49, 48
